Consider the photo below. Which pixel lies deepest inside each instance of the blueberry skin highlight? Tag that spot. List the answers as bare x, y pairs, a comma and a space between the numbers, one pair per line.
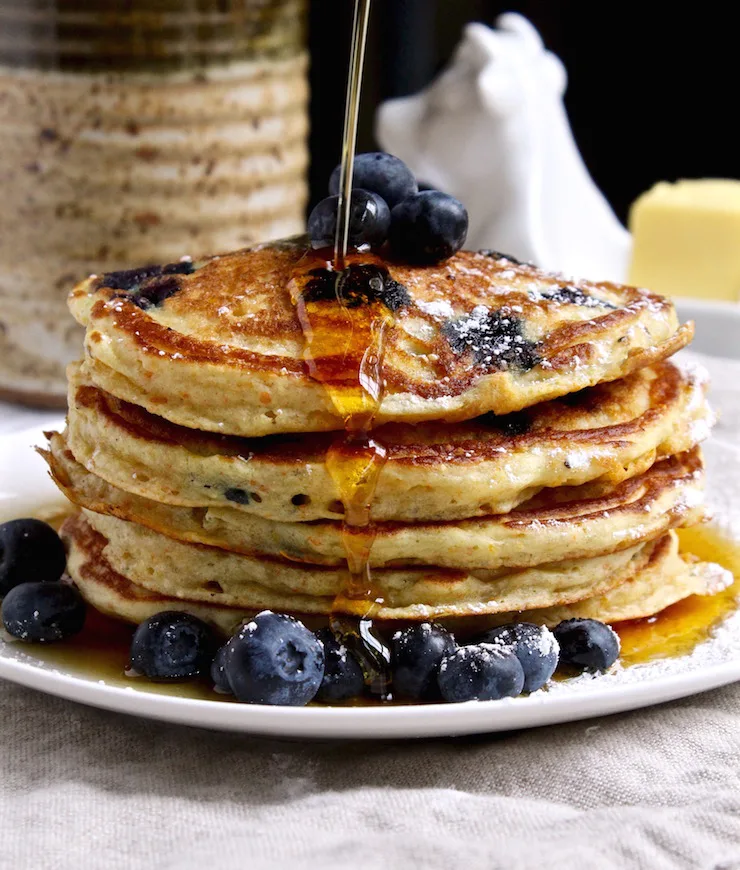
172, 645
43, 612
587, 644
535, 647
416, 654
382, 173
274, 659
369, 220
30, 550
343, 678
480, 672
428, 228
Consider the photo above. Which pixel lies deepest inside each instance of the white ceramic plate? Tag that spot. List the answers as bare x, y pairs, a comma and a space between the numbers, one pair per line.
24, 485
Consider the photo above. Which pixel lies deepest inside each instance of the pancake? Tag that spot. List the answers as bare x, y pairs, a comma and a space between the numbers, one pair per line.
222, 349
434, 471
665, 579
199, 573
668, 578
558, 525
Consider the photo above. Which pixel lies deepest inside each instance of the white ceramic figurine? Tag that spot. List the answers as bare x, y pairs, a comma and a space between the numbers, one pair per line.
492, 130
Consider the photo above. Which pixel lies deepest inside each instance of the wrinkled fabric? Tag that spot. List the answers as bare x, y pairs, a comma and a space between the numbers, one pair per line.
656, 789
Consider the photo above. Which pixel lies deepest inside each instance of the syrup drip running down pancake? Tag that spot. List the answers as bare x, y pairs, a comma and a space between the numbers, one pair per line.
344, 321
221, 348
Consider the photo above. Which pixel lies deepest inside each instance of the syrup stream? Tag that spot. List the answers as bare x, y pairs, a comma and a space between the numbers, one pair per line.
344, 349
355, 461
349, 136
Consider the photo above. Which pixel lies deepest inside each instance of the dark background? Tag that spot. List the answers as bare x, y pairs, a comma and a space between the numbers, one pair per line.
652, 86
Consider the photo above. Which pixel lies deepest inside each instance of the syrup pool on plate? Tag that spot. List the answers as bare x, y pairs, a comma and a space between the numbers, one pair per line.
676, 630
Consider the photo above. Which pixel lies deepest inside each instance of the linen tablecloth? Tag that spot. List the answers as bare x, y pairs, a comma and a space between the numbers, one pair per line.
657, 788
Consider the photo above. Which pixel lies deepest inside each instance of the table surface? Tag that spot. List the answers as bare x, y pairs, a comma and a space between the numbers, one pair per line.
657, 788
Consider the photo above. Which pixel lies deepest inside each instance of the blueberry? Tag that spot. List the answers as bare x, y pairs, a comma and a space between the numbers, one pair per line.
29, 550
155, 291
129, 279
513, 424
535, 647
369, 220
572, 296
428, 228
416, 653
274, 659
43, 612
132, 279
587, 644
480, 672
218, 674
495, 339
382, 173
343, 677
497, 255
359, 284
239, 496
172, 645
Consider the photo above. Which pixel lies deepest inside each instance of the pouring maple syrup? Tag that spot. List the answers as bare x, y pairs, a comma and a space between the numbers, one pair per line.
344, 331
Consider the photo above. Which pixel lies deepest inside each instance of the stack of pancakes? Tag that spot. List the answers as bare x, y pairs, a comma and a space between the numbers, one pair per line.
541, 450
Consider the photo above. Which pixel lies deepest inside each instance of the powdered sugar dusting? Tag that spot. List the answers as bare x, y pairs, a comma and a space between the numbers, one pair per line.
439, 308
722, 494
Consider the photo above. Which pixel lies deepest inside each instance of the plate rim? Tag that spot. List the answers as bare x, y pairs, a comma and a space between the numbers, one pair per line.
404, 720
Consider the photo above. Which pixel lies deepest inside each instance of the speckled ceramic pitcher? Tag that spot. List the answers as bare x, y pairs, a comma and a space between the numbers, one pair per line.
136, 131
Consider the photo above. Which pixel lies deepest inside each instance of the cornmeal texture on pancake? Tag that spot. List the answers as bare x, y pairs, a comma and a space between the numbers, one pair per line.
434, 472
219, 347
558, 525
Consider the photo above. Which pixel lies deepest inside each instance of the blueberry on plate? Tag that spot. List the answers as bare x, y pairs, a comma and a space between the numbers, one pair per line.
43, 612
172, 645
343, 678
428, 228
30, 550
274, 659
218, 673
369, 220
535, 647
384, 174
587, 644
416, 654
480, 672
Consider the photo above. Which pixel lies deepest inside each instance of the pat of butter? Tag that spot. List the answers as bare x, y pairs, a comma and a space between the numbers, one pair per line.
686, 239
